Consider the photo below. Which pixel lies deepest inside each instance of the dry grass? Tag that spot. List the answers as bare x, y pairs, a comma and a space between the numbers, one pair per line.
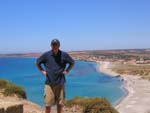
10, 89
140, 69
92, 105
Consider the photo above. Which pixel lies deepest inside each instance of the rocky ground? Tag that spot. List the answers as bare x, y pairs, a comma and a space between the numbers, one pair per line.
18, 105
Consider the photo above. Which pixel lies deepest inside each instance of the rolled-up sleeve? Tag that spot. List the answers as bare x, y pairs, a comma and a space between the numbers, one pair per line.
69, 59
41, 59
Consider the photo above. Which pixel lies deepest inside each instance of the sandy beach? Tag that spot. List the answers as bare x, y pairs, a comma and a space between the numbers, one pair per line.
138, 96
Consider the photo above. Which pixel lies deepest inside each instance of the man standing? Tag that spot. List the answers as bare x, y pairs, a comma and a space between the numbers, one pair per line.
55, 69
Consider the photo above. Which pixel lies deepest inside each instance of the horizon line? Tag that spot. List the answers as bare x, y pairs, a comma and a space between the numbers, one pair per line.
80, 50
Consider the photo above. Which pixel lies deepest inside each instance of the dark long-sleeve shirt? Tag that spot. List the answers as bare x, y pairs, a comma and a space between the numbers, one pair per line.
54, 66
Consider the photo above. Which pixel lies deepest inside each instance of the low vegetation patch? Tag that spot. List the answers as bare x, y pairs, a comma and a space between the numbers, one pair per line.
3, 84
141, 70
91, 105
10, 89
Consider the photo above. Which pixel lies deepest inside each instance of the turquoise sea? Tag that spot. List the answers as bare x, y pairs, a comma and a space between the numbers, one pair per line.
84, 80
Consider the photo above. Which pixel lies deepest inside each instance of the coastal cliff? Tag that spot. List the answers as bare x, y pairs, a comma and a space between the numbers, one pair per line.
14, 101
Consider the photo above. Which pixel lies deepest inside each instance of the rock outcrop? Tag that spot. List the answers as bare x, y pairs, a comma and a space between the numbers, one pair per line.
10, 106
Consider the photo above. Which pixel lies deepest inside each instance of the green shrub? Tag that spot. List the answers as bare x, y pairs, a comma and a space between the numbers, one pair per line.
10, 89
92, 105
3, 84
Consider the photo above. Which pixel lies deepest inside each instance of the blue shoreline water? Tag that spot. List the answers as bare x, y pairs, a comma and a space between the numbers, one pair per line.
84, 80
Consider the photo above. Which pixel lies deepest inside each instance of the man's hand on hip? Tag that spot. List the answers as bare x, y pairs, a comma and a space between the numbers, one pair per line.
44, 72
64, 72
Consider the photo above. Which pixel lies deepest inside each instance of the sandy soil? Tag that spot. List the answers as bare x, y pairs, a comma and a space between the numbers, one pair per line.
138, 98
30, 107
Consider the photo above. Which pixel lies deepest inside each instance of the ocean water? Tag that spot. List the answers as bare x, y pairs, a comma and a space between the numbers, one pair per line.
84, 80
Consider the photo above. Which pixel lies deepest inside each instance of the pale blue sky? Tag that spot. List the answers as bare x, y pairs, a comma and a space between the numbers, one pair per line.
29, 25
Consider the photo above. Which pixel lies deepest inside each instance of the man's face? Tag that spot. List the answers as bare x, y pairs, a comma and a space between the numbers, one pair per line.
55, 48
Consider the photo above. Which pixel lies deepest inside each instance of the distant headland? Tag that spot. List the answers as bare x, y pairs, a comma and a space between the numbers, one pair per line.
121, 55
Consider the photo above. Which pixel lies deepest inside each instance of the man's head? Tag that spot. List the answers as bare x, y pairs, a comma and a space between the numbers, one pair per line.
55, 44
